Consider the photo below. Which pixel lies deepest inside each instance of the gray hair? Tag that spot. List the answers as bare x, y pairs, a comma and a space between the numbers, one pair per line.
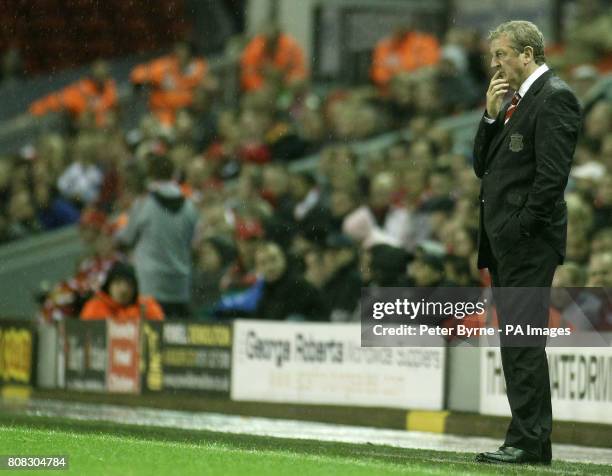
522, 34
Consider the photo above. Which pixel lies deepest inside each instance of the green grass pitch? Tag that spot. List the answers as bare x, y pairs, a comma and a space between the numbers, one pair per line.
101, 448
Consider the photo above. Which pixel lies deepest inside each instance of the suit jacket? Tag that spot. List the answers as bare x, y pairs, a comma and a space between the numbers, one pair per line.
524, 167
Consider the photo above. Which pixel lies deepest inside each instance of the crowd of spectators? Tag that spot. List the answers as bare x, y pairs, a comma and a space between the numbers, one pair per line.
270, 241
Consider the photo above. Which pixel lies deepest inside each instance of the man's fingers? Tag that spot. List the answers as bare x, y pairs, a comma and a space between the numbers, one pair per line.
497, 83
500, 86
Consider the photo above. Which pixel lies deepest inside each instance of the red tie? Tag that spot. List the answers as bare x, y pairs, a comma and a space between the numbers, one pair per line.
515, 100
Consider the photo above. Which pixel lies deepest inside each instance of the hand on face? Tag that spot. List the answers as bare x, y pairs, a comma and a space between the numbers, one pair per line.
498, 87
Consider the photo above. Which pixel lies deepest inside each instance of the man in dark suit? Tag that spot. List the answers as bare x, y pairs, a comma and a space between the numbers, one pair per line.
522, 153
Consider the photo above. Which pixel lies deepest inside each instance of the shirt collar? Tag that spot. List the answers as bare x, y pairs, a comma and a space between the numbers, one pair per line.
531, 79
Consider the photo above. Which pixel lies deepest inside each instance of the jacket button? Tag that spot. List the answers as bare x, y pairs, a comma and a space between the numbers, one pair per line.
486, 172
482, 200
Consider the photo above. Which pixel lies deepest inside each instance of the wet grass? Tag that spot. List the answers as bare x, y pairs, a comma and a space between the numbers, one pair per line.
104, 448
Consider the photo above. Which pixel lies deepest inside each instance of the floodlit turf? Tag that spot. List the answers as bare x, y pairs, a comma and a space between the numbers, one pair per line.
109, 449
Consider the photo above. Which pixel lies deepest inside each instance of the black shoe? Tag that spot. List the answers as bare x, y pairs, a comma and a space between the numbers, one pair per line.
510, 455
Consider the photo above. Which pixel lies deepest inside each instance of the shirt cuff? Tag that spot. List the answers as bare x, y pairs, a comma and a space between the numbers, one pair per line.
487, 119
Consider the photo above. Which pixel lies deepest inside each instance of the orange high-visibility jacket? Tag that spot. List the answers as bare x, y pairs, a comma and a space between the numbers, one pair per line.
102, 306
78, 98
288, 58
172, 88
413, 51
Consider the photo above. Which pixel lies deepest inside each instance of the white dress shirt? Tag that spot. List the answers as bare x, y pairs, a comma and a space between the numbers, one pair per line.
524, 87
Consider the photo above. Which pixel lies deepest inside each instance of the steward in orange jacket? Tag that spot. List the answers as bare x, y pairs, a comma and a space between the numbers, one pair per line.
119, 299
404, 51
173, 79
271, 55
96, 94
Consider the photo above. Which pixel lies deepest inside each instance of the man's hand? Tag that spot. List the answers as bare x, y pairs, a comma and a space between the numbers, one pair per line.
495, 94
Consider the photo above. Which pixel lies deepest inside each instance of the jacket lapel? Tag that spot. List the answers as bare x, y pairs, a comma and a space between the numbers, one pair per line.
521, 111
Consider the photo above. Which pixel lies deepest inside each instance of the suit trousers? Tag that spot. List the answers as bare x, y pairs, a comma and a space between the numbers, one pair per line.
521, 288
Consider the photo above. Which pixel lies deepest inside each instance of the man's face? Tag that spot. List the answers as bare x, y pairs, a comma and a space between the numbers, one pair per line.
209, 259
507, 60
341, 203
381, 192
270, 263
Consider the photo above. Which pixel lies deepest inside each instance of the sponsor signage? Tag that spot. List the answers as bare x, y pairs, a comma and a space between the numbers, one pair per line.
85, 355
123, 374
17, 344
580, 381
323, 363
196, 357
152, 375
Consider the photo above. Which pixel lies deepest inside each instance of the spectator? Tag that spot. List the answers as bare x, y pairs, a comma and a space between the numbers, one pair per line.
582, 80
569, 302
599, 271
597, 123
462, 242
602, 241
53, 211
305, 194
285, 294
161, 229
92, 222
342, 288
94, 96
82, 180
577, 245
393, 219
253, 127
66, 298
361, 227
119, 298
599, 275
173, 80
603, 203
403, 51
51, 155
22, 219
341, 203
580, 214
457, 271
213, 257
387, 265
272, 58
205, 116
438, 211
314, 265
241, 274
427, 270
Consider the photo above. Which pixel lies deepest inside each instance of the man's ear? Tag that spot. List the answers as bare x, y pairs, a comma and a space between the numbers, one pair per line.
528, 54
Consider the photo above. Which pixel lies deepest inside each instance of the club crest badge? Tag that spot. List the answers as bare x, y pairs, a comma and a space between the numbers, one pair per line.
516, 142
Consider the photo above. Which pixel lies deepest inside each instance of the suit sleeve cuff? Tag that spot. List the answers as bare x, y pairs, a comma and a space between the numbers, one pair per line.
487, 119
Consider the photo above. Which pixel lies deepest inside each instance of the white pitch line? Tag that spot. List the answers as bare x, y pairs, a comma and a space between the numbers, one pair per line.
289, 429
